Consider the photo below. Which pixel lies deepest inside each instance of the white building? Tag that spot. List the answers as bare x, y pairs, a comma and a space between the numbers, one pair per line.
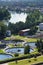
41, 26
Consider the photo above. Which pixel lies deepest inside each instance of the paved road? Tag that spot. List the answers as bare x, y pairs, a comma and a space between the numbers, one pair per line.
4, 64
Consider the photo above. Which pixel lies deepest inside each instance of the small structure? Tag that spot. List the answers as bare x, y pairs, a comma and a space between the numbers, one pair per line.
24, 32
41, 26
8, 33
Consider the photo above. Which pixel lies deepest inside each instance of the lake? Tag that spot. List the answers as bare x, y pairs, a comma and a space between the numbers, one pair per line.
16, 17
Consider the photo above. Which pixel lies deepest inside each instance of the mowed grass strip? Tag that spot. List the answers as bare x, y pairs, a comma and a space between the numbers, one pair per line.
22, 38
26, 61
1, 51
26, 39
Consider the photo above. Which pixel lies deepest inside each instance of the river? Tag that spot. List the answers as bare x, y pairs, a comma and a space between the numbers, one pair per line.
16, 17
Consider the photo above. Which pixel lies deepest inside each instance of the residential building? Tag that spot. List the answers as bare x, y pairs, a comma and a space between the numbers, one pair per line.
24, 32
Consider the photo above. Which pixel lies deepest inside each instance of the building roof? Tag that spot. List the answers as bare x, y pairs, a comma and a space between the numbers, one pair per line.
25, 30
41, 23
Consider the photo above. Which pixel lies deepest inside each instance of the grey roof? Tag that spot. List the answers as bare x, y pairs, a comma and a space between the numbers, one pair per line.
25, 30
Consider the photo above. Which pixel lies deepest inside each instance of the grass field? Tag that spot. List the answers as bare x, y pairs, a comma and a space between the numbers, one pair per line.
26, 61
21, 38
1, 51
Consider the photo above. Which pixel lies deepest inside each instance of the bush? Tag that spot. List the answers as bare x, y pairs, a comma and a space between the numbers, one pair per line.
27, 49
16, 54
35, 59
29, 60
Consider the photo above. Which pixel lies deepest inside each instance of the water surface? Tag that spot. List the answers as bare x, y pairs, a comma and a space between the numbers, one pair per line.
16, 50
5, 56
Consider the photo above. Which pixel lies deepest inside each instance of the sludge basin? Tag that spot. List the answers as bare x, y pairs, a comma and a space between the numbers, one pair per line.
5, 56
16, 50
21, 50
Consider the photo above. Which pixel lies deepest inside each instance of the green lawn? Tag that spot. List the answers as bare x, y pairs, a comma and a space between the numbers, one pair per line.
22, 38
1, 51
26, 61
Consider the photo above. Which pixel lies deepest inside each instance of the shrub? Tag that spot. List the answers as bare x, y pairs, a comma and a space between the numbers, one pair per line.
27, 49
35, 59
16, 54
29, 60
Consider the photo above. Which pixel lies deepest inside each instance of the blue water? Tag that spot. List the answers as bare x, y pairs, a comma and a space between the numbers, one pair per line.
5, 56
31, 44
17, 50
21, 50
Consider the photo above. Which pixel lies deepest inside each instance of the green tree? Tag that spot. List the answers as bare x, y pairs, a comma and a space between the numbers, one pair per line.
39, 45
33, 18
16, 55
27, 49
4, 17
33, 30
15, 28
4, 14
3, 29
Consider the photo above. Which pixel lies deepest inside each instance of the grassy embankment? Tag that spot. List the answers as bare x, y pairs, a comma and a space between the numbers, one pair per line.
26, 61
21, 38
17, 37
1, 51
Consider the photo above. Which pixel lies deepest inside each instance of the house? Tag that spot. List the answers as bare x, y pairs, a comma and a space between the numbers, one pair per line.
41, 26
24, 32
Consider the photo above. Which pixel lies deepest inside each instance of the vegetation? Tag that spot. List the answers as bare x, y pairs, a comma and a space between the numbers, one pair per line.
4, 17
13, 37
33, 18
19, 58
1, 51
16, 54
15, 28
27, 49
33, 30
3, 29
26, 61
39, 45
4, 14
